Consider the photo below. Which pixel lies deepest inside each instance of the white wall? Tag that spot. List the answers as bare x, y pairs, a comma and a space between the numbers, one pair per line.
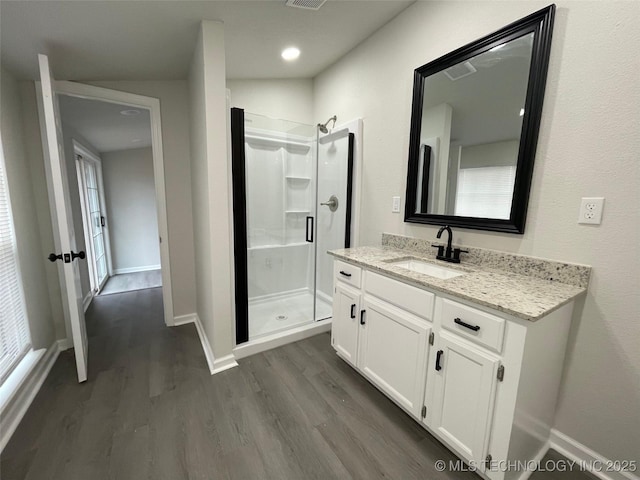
588, 146
288, 99
130, 195
174, 107
210, 188
45, 317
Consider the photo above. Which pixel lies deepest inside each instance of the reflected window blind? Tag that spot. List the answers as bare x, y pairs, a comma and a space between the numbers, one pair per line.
485, 192
15, 340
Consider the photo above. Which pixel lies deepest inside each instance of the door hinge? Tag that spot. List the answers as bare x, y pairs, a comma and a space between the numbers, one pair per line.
424, 411
432, 337
501, 373
487, 461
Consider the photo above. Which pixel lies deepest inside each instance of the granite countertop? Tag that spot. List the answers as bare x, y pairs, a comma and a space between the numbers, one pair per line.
522, 296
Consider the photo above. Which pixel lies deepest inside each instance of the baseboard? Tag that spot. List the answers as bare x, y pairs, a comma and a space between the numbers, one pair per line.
64, 344
223, 363
20, 402
587, 458
86, 301
216, 365
120, 271
278, 339
184, 319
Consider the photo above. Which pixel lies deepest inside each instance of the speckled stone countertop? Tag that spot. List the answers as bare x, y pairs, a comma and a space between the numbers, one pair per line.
523, 296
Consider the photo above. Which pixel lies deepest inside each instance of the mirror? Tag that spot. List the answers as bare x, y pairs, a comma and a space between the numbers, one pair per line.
474, 128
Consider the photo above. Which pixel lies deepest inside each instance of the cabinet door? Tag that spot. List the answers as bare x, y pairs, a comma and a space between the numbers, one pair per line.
464, 390
393, 352
346, 318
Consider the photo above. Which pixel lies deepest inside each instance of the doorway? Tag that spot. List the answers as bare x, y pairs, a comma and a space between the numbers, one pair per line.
114, 162
157, 271
92, 203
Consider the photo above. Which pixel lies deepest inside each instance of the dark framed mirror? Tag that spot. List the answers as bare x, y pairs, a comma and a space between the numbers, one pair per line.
474, 128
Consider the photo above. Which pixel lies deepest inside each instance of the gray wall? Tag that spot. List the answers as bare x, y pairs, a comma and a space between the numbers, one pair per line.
129, 190
588, 146
44, 310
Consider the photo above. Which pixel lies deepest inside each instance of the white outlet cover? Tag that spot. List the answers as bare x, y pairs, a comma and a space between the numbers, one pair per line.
395, 205
591, 210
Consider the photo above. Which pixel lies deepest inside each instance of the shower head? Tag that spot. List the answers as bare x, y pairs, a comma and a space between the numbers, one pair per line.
323, 126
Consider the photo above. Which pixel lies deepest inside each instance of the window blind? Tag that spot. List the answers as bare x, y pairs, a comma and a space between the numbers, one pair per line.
15, 339
485, 192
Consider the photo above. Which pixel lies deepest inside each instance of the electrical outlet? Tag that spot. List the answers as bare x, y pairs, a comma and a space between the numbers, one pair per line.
591, 210
395, 207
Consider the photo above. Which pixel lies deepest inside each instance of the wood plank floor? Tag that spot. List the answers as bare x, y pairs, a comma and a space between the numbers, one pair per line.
150, 410
127, 282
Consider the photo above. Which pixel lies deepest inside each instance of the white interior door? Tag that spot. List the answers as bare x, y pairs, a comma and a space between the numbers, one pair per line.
64, 236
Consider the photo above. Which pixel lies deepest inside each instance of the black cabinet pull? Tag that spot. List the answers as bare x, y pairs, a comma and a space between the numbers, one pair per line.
438, 357
309, 230
102, 222
353, 310
362, 322
475, 328
342, 272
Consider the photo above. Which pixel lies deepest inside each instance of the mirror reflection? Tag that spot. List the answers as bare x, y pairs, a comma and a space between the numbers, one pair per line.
470, 133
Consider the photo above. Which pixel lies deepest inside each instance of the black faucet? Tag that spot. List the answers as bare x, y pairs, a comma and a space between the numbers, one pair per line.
451, 255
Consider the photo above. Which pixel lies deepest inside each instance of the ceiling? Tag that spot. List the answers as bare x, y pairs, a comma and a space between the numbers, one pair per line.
141, 40
103, 126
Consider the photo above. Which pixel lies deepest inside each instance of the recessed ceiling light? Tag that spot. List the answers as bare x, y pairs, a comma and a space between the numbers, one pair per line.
290, 53
129, 113
521, 112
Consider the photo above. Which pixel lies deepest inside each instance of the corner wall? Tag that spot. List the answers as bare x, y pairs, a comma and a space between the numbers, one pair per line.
210, 195
588, 146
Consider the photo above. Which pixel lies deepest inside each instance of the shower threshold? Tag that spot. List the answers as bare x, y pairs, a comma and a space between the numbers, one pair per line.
284, 312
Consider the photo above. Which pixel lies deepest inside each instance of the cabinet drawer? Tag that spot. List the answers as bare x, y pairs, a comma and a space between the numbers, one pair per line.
347, 273
474, 324
409, 298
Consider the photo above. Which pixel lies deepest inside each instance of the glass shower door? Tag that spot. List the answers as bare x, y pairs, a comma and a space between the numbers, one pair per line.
335, 171
280, 182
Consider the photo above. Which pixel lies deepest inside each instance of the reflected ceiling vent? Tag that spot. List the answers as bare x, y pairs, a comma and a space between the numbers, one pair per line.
459, 71
306, 4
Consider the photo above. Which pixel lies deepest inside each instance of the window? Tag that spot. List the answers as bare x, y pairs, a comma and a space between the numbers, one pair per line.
15, 340
485, 192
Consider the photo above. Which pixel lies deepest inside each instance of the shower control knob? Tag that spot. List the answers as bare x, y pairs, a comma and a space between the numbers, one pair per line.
332, 203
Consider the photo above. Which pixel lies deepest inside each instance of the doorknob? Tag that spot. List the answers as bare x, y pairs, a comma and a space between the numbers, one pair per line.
53, 257
81, 255
332, 203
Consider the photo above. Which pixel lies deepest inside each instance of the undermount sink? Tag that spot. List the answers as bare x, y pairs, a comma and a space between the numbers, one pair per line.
443, 273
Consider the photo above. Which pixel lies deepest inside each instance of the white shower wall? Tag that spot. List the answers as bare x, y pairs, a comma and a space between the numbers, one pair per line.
280, 195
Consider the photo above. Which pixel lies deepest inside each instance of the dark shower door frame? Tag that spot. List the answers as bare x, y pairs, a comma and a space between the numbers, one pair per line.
239, 196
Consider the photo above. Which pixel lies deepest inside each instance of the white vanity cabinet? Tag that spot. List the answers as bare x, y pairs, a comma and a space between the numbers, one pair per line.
483, 382
393, 352
464, 379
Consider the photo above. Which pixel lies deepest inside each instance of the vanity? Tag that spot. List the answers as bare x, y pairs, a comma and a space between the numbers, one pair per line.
472, 352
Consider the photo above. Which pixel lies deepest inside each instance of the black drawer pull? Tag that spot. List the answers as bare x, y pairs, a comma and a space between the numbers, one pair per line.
475, 328
342, 272
438, 357
353, 310
362, 322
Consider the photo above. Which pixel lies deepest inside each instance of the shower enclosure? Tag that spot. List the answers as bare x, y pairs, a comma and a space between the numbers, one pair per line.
292, 203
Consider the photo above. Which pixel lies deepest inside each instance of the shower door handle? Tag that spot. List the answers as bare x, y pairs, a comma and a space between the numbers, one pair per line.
309, 231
